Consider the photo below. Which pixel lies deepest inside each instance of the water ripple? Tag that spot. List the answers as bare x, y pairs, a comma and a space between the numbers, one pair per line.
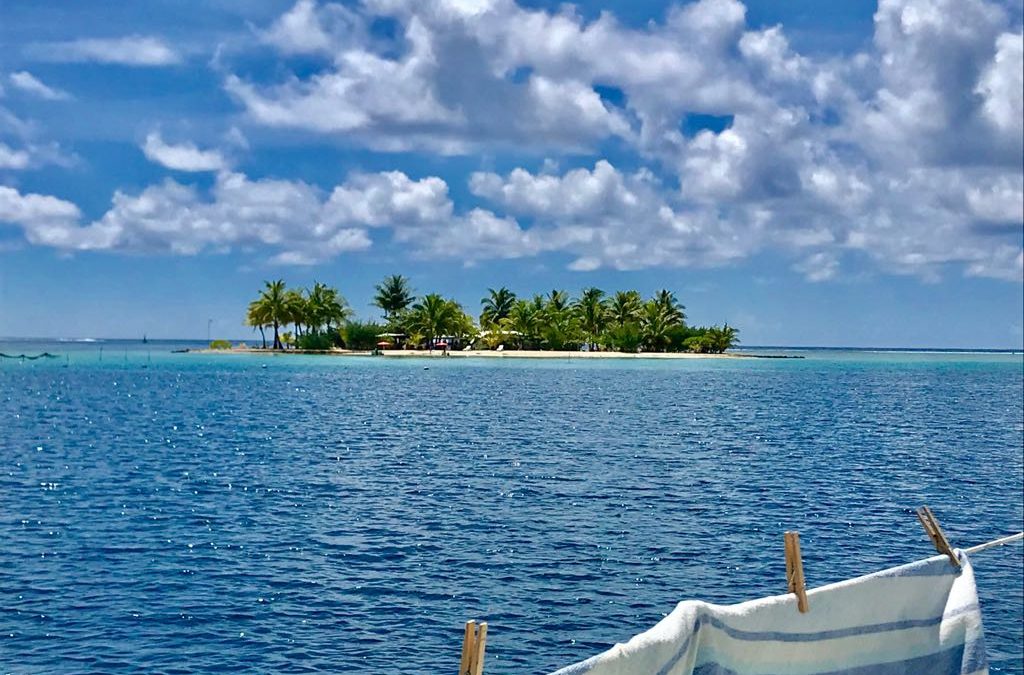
203, 515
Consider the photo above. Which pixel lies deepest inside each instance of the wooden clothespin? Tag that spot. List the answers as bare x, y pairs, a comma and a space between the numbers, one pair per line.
935, 533
795, 571
474, 644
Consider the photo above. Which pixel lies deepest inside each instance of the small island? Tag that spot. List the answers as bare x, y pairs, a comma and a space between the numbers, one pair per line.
594, 324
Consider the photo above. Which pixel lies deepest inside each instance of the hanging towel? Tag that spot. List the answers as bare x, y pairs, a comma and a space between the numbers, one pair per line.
922, 618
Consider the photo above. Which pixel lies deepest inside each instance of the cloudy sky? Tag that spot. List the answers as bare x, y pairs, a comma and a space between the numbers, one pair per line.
817, 173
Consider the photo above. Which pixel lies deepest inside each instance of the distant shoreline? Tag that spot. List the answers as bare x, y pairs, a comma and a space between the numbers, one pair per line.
484, 353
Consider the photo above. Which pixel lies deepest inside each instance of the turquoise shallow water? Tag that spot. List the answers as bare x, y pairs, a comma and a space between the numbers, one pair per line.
184, 513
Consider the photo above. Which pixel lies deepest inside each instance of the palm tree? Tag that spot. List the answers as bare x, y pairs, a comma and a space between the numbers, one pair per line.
655, 324
722, 338
670, 306
258, 317
434, 316
557, 300
297, 309
625, 307
326, 307
275, 306
592, 312
523, 318
558, 326
393, 296
496, 306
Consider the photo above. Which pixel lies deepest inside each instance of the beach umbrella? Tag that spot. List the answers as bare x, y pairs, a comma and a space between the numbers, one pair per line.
442, 345
383, 343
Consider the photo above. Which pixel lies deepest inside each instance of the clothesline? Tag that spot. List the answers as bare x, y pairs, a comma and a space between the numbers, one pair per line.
750, 632
1002, 541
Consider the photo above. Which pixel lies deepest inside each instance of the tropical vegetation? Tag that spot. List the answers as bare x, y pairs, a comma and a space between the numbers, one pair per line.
624, 321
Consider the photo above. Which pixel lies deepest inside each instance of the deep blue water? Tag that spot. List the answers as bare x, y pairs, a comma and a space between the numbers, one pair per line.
189, 513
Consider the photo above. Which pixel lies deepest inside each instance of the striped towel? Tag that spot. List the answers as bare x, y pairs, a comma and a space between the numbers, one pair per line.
922, 618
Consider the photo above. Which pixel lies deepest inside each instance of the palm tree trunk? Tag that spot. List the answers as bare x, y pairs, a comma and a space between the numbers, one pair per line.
263, 336
277, 339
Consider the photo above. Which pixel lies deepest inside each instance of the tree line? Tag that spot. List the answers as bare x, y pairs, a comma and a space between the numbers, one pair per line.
622, 321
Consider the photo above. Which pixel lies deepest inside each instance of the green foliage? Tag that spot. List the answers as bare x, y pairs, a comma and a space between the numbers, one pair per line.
623, 321
712, 340
524, 318
362, 335
319, 310
496, 306
318, 341
658, 317
220, 344
325, 308
624, 337
272, 308
625, 307
592, 314
394, 296
434, 316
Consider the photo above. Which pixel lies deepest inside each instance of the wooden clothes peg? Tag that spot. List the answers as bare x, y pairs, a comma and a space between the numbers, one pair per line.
935, 533
474, 644
795, 571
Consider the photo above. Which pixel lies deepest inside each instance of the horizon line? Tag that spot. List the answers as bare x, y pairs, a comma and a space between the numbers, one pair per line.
861, 348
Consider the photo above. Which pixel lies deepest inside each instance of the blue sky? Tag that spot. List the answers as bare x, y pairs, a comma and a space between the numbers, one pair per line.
815, 173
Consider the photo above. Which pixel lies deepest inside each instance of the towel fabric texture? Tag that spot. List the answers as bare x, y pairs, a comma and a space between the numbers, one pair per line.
920, 619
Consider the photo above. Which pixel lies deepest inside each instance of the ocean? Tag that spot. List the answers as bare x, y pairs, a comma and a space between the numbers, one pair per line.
167, 512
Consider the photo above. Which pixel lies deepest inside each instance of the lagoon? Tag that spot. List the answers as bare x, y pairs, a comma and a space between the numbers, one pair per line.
167, 512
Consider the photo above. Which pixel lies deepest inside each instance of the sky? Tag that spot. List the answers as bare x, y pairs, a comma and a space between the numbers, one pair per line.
834, 174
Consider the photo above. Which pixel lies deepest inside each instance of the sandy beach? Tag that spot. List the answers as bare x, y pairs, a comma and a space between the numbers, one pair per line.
487, 354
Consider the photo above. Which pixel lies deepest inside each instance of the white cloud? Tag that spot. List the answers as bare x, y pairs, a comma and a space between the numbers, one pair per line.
389, 198
30, 155
27, 82
308, 28
609, 219
134, 50
1002, 86
13, 159
298, 30
293, 219
463, 74
478, 235
183, 156
819, 266
33, 208
907, 153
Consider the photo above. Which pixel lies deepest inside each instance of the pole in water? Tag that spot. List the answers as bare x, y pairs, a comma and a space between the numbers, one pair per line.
101, 352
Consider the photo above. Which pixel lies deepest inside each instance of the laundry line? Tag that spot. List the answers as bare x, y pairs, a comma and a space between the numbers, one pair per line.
1002, 541
936, 594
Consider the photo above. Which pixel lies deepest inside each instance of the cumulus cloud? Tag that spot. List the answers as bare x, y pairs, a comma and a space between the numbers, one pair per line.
133, 50
1002, 86
297, 220
605, 218
29, 83
308, 28
183, 156
34, 209
907, 153
389, 198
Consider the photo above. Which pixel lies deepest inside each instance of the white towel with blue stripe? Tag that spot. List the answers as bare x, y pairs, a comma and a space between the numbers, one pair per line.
922, 618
